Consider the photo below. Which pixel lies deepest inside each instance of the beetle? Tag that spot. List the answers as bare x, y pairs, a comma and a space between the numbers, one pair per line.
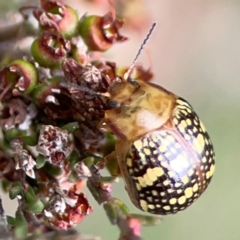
163, 150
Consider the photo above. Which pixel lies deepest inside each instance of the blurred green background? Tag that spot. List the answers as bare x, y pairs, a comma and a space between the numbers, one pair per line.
195, 53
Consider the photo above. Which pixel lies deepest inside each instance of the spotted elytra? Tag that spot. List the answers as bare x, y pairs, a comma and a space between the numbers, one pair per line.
163, 150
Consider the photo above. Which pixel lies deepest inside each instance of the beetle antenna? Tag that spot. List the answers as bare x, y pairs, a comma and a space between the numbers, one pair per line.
127, 74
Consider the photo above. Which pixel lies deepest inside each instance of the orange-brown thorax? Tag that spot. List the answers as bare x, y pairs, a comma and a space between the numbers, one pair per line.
142, 107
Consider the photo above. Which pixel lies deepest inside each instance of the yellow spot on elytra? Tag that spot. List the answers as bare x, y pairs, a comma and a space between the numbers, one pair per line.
175, 121
170, 190
190, 132
202, 127
162, 148
195, 129
179, 191
145, 142
177, 145
185, 179
195, 187
129, 162
138, 186
178, 184
170, 138
154, 193
147, 151
152, 144
166, 183
195, 122
190, 172
160, 157
171, 174
212, 170
187, 137
182, 126
151, 206
188, 192
138, 145
142, 181
158, 205
189, 122
166, 207
172, 201
151, 176
165, 164
182, 200
143, 159
144, 205
199, 143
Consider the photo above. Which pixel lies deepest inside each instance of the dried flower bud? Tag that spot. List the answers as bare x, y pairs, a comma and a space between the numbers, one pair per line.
23, 159
54, 144
13, 114
67, 210
21, 75
7, 168
82, 170
99, 33
137, 73
54, 99
86, 85
135, 225
58, 18
79, 50
50, 49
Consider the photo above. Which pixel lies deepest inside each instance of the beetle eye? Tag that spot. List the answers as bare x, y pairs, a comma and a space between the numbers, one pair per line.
134, 83
113, 104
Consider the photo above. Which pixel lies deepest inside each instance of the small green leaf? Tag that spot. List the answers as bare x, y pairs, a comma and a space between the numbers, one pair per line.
122, 206
146, 220
52, 170
71, 127
73, 177
19, 218
21, 231
35, 207
40, 161
94, 192
111, 212
73, 159
6, 185
112, 166
30, 140
88, 161
30, 195
11, 220
15, 190
13, 133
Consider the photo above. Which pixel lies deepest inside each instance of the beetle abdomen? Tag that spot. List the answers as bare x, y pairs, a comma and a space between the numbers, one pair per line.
170, 167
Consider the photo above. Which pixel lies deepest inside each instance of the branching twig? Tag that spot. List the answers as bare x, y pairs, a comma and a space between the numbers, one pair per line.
4, 233
126, 232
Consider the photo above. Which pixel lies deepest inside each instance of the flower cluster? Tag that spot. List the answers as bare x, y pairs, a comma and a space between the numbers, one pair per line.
51, 103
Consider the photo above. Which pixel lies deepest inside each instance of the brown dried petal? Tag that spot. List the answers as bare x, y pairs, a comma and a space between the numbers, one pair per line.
13, 113
23, 159
53, 143
65, 211
85, 85
50, 4
111, 28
